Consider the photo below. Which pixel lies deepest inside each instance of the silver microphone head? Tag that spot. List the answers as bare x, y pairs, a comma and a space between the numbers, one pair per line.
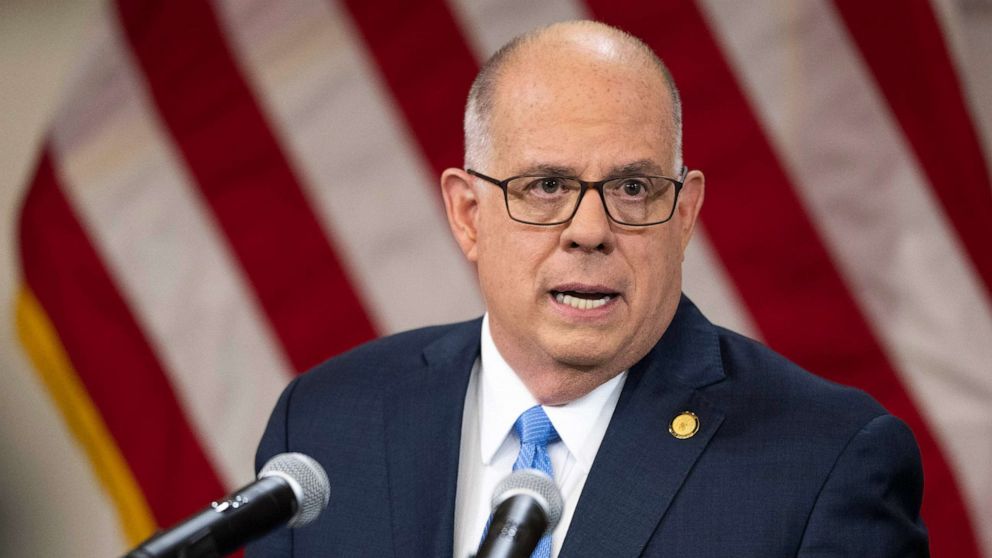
535, 484
307, 479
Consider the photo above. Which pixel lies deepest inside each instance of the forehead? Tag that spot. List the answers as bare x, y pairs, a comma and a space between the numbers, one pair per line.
576, 108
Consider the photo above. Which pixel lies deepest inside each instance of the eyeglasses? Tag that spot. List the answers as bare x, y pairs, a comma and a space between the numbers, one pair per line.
636, 201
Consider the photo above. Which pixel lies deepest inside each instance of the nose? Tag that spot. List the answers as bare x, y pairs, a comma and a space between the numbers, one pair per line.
590, 230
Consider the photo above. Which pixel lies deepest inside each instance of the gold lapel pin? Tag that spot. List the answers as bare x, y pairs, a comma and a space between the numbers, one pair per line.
685, 425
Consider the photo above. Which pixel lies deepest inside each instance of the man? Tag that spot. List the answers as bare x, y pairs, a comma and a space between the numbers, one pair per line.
667, 435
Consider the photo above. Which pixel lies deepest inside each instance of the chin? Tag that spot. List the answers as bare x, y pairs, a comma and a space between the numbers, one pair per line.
580, 348
581, 357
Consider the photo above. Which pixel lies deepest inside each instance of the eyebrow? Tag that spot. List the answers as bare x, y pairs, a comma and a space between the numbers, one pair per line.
547, 170
639, 167
643, 166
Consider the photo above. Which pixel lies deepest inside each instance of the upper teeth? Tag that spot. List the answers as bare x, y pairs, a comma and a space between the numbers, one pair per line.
581, 303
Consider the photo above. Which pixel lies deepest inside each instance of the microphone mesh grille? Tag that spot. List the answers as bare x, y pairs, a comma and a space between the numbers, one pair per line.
534, 483
310, 477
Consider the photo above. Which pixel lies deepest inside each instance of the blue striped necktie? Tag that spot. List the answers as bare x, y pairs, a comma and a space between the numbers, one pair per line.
535, 431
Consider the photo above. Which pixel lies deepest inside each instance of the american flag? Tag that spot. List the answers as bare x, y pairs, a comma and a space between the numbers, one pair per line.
233, 191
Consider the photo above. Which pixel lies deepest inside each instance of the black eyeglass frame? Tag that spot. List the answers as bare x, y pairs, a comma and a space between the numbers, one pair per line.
584, 186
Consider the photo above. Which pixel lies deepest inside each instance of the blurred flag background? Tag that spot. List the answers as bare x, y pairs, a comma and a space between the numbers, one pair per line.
210, 197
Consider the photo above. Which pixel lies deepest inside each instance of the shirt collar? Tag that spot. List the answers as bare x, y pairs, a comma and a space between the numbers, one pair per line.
503, 397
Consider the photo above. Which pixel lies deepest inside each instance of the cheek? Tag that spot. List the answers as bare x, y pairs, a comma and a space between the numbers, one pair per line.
510, 264
513, 258
490, 231
499, 255
659, 271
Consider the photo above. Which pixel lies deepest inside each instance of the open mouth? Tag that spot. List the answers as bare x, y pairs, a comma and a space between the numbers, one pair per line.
582, 300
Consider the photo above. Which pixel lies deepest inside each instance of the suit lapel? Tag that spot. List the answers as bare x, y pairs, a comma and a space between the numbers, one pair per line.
423, 418
640, 465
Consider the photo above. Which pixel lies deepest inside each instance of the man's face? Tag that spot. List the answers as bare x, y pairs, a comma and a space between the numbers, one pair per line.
590, 121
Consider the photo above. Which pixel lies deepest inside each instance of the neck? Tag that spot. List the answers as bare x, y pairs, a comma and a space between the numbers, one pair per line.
550, 381
559, 387
557, 372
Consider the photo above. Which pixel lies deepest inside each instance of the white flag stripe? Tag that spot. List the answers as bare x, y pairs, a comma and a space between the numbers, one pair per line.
489, 24
375, 197
967, 49
868, 198
134, 197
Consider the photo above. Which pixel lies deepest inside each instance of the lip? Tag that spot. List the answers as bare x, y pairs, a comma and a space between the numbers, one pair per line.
585, 288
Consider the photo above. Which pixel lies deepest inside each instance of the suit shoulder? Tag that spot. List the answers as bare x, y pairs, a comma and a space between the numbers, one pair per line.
385, 358
766, 380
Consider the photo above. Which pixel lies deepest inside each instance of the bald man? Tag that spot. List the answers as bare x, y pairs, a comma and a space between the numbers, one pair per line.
667, 436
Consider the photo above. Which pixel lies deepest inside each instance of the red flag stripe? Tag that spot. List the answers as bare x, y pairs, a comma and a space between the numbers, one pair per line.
750, 193
922, 88
427, 63
244, 177
93, 321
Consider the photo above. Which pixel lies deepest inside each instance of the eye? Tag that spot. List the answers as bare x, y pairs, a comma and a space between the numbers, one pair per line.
633, 187
549, 185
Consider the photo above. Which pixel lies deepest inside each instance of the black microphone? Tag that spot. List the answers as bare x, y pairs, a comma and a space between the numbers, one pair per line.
292, 488
526, 505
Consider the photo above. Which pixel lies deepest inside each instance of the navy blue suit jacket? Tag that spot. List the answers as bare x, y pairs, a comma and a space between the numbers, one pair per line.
784, 463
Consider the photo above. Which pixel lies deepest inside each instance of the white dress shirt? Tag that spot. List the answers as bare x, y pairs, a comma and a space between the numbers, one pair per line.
489, 447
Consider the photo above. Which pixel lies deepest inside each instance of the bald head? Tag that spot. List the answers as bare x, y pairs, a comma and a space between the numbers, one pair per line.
573, 48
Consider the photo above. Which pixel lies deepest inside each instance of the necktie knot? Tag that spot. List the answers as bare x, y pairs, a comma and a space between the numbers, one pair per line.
534, 427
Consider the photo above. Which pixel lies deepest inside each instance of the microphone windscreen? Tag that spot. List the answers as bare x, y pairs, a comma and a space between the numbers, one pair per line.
308, 481
535, 484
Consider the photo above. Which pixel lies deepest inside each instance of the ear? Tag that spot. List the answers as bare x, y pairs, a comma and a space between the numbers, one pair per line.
690, 202
461, 202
